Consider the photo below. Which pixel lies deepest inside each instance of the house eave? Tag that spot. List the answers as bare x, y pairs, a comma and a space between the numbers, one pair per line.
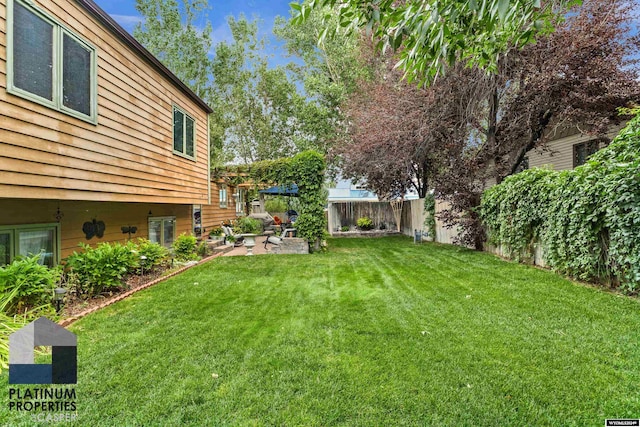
110, 24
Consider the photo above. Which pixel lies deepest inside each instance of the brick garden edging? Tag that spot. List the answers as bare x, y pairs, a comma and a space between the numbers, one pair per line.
70, 320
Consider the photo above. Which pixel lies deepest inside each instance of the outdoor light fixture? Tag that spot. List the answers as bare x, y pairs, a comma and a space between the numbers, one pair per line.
142, 260
58, 296
58, 215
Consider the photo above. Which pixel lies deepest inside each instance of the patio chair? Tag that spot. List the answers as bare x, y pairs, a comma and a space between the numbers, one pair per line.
277, 240
228, 232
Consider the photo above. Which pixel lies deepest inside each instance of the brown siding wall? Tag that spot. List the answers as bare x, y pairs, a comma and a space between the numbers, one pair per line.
76, 213
213, 214
128, 156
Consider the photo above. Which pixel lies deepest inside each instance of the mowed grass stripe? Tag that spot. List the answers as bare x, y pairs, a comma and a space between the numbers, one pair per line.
374, 332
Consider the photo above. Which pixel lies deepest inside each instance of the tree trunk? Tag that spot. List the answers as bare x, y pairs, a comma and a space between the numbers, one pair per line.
492, 123
534, 141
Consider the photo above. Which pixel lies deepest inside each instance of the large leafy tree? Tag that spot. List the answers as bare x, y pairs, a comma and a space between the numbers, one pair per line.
256, 104
328, 72
472, 128
401, 135
434, 34
576, 77
169, 32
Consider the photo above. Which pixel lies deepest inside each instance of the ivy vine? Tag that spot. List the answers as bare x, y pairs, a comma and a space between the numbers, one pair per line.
587, 219
306, 170
430, 218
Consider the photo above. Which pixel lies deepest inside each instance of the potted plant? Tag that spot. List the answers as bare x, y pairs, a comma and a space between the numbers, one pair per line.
248, 228
216, 233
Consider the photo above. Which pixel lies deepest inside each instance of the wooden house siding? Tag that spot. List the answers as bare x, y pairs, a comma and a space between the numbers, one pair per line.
76, 213
213, 214
128, 156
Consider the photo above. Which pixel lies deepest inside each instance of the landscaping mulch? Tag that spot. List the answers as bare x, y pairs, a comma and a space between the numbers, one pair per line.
74, 305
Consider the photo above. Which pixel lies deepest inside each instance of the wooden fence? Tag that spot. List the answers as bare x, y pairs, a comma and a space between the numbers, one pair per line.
413, 217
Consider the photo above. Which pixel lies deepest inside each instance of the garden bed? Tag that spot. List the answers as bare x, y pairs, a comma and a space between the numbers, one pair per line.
75, 305
76, 308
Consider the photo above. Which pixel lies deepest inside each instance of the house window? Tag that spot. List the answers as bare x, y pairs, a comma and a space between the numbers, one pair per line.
223, 197
162, 230
240, 202
183, 133
582, 151
197, 220
48, 64
523, 165
29, 240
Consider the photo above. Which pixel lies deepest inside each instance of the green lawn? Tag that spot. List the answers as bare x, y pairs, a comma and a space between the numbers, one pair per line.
374, 332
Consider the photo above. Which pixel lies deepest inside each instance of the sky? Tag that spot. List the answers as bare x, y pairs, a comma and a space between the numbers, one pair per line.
125, 14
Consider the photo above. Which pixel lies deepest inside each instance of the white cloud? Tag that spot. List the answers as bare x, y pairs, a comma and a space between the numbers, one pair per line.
221, 33
128, 22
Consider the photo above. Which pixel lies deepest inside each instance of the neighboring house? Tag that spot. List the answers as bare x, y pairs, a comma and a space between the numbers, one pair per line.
97, 138
347, 191
567, 150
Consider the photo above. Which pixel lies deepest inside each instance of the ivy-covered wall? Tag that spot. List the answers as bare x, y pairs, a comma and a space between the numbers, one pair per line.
307, 171
587, 219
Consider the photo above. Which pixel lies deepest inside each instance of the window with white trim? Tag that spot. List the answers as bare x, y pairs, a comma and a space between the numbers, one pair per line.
162, 230
240, 195
48, 64
29, 240
183, 133
223, 196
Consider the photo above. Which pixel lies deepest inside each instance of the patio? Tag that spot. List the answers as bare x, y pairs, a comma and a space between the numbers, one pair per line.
290, 246
258, 249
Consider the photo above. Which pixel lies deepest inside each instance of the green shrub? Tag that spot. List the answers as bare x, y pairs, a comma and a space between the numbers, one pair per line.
430, 217
102, 268
185, 248
28, 283
203, 250
588, 219
515, 210
344, 228
364, 223
156, 255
